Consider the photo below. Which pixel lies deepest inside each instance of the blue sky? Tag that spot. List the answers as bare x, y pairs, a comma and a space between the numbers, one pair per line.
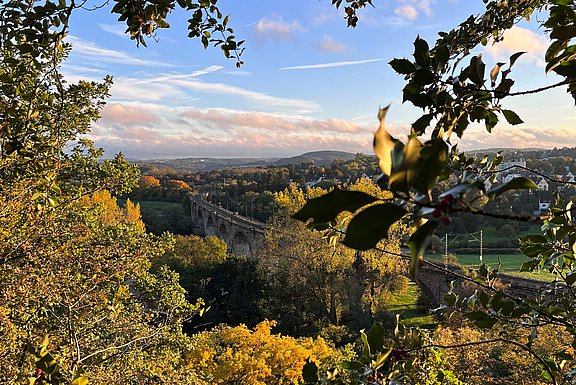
308, 82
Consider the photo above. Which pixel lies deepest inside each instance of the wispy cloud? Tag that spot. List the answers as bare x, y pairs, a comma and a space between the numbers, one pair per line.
330, 65
114, 29
299, 106
87, 49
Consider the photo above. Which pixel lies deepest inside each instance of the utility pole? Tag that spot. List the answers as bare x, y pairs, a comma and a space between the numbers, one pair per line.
481, 245
446, 246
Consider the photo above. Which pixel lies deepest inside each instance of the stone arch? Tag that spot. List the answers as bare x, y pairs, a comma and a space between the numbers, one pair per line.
211, 228
223, 232
198, 220
241, 244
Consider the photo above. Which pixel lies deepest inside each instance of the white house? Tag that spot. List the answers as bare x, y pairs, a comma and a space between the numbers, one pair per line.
510, 163
543, 185
509, 177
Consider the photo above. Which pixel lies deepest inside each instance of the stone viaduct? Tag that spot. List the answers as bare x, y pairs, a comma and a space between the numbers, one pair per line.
244, 236
435, 279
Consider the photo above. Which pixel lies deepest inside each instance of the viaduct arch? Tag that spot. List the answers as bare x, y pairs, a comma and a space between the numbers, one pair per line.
242, 235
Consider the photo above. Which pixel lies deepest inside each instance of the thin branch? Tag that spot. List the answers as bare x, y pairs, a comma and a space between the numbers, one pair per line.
119, 346
543, 363
547, 177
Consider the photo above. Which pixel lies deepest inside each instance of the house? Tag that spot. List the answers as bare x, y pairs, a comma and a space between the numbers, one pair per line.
543, 185
544, 202
507, 164
510, 177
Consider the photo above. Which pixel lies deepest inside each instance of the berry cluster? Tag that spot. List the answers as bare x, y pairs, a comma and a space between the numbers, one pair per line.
399, 355
443, 209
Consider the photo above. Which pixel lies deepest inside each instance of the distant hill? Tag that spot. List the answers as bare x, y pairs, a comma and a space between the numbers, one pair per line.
319, 158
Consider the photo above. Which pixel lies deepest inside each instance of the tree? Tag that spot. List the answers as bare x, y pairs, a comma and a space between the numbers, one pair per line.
452, 95
148, 181
238, 355
316, 280
73, 265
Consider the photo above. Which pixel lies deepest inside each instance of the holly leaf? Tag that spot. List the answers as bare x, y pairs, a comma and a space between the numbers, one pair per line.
403, 66
371, 225
324, 209
310, 372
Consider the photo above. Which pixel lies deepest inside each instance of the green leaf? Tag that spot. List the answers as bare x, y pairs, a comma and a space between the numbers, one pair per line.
418, 243
420, 125
365, 344
310, 372
490, 121
530, 265
352, 365
376, 337
520, 183
324, 209
475, 315
442, 55
515, 57
571, 278
512, 117
486, 323
370, 225
421, 52
402, 66
405, 165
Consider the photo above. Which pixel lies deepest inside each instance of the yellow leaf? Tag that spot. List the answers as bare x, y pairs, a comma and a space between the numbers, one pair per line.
384, 144
80, 381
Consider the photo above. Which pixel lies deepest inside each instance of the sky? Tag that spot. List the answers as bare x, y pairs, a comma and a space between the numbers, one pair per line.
308, 82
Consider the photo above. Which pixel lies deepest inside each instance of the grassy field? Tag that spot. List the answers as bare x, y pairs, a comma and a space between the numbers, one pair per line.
411, 314
509, 264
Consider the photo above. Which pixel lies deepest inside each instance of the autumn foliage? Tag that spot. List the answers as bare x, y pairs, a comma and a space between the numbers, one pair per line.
148, 181
238, 355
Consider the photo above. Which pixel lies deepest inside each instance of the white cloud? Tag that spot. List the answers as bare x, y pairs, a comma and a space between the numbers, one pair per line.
330, 65
331, 45
277, 29
114, 29
410, 9
406, 12
519, 39
92, 51
220, 132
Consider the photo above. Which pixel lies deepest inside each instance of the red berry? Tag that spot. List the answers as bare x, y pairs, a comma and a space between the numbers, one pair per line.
449, 198
446, 221
39, 372
437, 213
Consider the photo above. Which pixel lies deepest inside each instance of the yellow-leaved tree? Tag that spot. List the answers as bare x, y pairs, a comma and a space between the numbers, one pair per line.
238, 355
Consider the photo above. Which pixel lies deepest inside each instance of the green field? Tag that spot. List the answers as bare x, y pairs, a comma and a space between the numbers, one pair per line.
507, 263
411, 314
